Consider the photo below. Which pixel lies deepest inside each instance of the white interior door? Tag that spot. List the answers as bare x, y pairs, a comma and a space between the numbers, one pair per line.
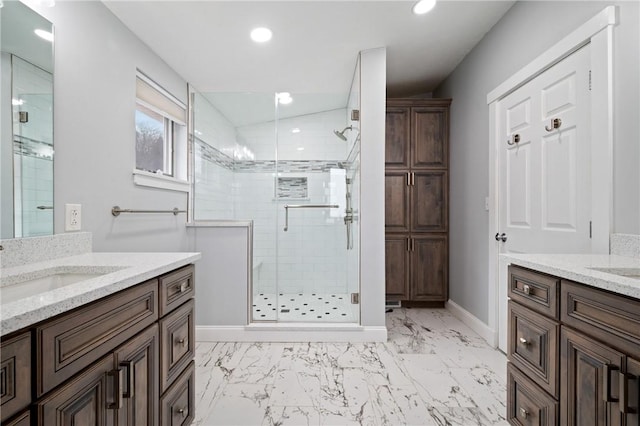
544, 167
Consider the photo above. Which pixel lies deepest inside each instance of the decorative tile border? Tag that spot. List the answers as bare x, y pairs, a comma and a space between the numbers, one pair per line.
625, 245
213, 155
32, 148
21, 251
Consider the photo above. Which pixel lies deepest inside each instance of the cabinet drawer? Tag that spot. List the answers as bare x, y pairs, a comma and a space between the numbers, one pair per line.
527, 403
611, 318
533, 346
177, 404
24, 419
15, 375
177, 343
534, 290
176, 288
72, 341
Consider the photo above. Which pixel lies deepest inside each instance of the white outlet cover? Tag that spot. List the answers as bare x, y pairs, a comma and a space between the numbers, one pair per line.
73, 217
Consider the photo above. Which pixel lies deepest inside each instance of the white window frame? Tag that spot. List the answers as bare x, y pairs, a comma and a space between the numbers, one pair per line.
155, 98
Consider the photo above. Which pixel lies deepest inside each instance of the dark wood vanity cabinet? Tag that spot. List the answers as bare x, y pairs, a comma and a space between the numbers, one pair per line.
417, 200
574, 347
105, 363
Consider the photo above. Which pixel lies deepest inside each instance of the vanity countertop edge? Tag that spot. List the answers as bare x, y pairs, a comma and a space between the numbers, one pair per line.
577, 267
135, 269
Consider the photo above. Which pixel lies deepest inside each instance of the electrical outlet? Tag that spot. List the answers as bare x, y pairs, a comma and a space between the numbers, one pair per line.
73, 217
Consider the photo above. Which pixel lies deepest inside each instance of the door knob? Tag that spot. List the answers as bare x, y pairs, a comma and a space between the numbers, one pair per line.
501, 237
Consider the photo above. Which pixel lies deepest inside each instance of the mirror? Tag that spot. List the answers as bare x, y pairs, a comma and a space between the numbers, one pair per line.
26, 122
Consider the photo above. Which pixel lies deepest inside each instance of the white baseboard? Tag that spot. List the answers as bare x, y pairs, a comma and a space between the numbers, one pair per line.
291, 333
487, 333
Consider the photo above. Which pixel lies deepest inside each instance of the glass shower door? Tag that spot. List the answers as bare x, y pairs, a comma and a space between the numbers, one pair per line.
315, 273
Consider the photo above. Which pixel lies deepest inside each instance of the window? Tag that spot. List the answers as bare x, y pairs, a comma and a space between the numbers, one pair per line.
161, 143
154, 142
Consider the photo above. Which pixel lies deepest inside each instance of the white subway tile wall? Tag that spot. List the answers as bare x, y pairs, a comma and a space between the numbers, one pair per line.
235, 178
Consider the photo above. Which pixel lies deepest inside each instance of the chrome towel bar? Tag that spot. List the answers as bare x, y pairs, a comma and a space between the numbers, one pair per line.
45, 207
116, 210
304, 206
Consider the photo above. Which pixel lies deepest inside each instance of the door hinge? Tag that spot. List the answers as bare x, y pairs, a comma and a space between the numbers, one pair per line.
355, 298
589, 80
590, 229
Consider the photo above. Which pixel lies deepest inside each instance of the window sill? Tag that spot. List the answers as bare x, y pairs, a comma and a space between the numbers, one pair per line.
153, 180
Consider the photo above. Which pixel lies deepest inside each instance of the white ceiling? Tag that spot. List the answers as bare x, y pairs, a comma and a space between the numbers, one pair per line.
314, 45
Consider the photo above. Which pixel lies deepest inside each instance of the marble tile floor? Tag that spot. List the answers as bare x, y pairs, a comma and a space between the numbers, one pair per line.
433, 370
304, 307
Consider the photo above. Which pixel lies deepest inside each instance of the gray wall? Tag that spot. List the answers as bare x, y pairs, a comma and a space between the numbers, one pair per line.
96, 58
526, 31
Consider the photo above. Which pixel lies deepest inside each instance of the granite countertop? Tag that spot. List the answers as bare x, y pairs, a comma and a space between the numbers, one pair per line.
580, 268
119, 271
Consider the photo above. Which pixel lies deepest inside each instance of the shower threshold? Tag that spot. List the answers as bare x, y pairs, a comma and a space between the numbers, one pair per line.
304, 307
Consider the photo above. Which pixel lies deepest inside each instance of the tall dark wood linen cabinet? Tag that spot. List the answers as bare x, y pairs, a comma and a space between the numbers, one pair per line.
417, 201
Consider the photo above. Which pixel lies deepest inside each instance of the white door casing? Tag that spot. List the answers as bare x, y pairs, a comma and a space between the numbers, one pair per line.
548, 191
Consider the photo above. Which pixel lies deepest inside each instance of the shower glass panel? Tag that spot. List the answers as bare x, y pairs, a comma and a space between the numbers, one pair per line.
261, 160
314, 180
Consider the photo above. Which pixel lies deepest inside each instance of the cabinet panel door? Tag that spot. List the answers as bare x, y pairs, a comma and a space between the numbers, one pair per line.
397, 136
429, 202
396, 208
397, 267
429, 268
139, 360
631, 403
83, 400
430, 134
15, 375
588, 375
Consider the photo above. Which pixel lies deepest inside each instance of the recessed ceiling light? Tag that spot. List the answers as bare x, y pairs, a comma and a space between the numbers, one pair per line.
300, 148
423, 6
261, 35
284, 98
295, 130
44, 34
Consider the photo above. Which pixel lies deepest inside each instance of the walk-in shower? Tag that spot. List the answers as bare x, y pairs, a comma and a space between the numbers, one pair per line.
280, 166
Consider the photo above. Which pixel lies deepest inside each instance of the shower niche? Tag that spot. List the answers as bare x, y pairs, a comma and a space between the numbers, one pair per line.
293, 169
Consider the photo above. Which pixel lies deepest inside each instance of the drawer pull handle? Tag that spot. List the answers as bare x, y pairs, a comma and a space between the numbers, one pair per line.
182, 412
130, 379
624, 394
606, 380
183, 287
524, 413
116, 376
524, 341
182, 342
526, 289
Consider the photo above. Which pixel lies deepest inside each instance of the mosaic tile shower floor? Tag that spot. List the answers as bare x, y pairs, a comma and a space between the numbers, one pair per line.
304, 307
433, 370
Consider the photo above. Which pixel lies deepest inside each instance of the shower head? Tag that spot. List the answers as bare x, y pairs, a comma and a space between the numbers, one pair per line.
341, 134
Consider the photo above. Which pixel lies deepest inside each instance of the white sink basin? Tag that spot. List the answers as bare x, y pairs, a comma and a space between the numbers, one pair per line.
623, 272
49, 280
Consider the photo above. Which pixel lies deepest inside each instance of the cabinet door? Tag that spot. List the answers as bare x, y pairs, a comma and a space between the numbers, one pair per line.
397, 267
630, 388
397, 136
430, 137
429, 202
396, 208
139, 361
589, 381
15, 375
89, 399
429, 267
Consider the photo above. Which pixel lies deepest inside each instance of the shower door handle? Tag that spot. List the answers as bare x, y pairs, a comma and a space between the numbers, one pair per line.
304, 206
